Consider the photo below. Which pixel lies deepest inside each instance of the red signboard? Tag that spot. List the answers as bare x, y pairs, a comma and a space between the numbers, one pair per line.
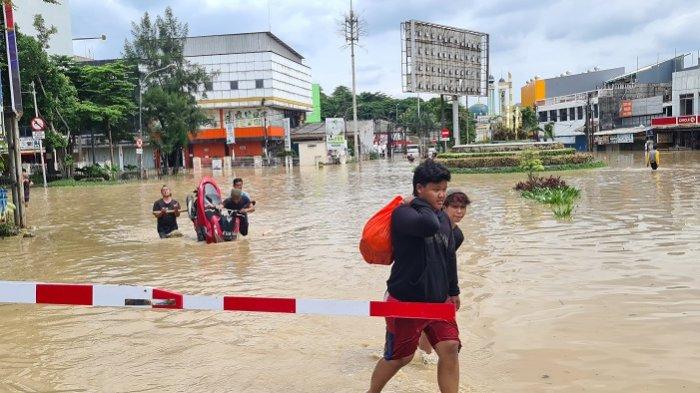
445, 133
687, 120
663, 121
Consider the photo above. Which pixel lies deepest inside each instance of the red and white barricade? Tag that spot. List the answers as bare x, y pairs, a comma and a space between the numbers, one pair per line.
98, 295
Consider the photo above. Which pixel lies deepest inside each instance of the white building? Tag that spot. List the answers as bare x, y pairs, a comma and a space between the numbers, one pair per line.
685, 92
568, 114
54, 15
258, 81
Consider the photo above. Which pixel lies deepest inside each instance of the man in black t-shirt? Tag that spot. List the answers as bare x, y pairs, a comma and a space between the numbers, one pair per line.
166, 210
242, 204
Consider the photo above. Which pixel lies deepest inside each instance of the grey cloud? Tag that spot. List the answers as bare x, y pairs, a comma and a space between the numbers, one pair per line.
527, 38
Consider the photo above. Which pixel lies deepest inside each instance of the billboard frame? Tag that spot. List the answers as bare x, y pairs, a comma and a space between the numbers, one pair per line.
471, 60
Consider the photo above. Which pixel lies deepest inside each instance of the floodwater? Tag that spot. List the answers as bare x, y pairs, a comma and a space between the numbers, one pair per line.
607, 302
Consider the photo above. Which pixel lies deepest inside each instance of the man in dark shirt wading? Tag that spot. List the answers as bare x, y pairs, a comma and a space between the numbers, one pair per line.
166, 210
424, 270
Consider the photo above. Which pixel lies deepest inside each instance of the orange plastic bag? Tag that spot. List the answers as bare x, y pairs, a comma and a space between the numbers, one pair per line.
375, 245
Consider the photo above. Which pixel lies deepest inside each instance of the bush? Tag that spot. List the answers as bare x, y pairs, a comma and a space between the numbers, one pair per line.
480, 162
515, 161
561, 199
578, 158
93, 172
543, 153
540, 182
509, 147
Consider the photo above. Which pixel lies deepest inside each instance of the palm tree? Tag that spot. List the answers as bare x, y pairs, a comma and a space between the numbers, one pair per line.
549, 131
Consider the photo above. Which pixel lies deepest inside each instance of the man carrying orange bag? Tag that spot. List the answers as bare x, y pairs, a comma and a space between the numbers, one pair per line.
424, 270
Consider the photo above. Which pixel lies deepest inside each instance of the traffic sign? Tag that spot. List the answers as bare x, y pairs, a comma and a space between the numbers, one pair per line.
139, 150
38, 124
139, 143
445, 133
38, 134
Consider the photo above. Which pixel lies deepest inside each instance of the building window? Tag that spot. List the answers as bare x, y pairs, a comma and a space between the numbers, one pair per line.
234, 85
595, 111
543, 116
258, 83
563, 115
208, 86
580, 112
553, 115
572, 113
686, 104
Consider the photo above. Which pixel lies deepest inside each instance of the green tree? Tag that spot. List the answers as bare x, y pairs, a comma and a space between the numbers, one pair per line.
55, 93
169, 103
549, 131
530, 124
106, 95
530, 162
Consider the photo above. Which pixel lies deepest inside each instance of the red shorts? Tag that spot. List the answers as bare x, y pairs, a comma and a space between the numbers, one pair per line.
402, 334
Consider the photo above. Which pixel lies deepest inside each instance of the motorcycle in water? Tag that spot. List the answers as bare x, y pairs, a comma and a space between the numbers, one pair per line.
212, 222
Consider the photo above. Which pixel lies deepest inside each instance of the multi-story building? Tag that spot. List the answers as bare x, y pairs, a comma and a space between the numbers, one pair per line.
257, 82
569, 101
681, 127
629, 102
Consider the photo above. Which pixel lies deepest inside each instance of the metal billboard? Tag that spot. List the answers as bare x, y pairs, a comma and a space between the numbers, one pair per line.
443, 60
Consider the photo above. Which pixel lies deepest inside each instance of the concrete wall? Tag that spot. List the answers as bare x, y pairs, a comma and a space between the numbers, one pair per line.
663, 73
686, 82
580, 83
310, 153
129, 156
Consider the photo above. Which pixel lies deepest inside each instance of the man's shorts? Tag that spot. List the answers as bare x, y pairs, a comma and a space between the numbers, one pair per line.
402, 334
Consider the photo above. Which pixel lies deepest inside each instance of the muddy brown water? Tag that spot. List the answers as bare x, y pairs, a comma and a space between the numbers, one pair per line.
608, 302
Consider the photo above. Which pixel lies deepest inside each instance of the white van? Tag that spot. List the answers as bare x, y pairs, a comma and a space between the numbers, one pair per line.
412, 152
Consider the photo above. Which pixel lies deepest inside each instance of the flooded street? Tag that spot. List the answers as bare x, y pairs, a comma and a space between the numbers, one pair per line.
608, 302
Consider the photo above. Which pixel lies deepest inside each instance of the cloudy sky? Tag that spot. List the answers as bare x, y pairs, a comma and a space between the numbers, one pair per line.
528, 38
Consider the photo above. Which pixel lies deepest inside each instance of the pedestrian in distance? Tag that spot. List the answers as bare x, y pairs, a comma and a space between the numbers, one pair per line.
27, 183
653, 157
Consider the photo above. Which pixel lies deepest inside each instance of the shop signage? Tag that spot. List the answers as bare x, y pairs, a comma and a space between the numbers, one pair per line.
622, 138
687, 120
626, 108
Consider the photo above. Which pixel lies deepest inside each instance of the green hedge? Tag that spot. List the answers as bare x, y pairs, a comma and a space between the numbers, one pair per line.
517, 169
543, 153
515, 148
514, 161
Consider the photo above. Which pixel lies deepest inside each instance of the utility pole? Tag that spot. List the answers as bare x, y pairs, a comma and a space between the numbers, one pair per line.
11, 117
352, 35
41, 141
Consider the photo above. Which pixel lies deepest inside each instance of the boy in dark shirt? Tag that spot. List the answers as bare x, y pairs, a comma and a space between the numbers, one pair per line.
424, 270
242, 204
166, 210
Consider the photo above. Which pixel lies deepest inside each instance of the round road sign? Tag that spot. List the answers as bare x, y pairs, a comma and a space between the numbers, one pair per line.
37, 124
139, 142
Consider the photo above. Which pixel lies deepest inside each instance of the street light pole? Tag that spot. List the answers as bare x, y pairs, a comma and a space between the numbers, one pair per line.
141, 82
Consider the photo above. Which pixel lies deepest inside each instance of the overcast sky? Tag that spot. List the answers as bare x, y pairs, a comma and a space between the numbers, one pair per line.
542, 38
